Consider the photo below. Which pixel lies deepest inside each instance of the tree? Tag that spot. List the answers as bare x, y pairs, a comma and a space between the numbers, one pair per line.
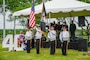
87, 1
15, 5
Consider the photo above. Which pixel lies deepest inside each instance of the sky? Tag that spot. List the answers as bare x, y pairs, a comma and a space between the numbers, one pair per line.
10, 25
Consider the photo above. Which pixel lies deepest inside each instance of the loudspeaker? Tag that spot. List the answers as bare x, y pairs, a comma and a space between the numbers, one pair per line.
73, 45
73, 39
82, 45
46, 44
81, 21
88, 44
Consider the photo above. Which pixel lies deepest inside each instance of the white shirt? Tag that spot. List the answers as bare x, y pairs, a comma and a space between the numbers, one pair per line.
28, 35
52, 35
38, 34
64, 36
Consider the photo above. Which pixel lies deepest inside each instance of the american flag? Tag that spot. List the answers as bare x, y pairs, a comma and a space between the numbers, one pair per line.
32, 16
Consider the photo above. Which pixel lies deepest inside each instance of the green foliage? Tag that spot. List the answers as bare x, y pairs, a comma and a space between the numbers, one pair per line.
15, 5
38, 21
11, 31
18, 31
1, 32
87, 1
1, 2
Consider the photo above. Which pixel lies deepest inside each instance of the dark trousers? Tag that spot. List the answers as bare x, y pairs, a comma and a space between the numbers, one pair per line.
64, 48
52, 47
33, 43
37, 46
72, 33
28, 46
43, 40
57, 34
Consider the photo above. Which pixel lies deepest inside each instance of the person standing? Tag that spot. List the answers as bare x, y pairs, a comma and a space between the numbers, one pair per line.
38, 36
64, 38
72, 29
59, 27
28, 37
33, 37
52, 38
20, 39
65, 25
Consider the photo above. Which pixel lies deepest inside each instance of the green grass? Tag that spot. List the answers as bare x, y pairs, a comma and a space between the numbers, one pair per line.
44, 55
1, 38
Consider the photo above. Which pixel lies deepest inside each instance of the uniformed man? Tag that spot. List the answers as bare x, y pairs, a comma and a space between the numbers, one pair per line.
38, 36
33, 37
72, 30
28, 37
64, 38
52, 38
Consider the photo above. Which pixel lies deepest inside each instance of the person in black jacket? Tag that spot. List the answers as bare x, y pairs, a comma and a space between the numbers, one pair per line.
72, 29
58, 29
65, 25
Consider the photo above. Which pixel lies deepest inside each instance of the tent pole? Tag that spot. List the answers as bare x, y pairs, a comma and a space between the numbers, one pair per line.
73, 18
14, 26
4, 19
49, 17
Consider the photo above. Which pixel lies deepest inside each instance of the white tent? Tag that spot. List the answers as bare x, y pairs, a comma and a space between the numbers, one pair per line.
58, 7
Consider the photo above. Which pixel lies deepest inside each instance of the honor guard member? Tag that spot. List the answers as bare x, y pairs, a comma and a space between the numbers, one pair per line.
52, 38
28, 37
64, 37
33, 37
38, 36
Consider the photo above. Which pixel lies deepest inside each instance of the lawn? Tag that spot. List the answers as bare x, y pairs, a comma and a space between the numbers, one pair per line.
44, 55
1, 39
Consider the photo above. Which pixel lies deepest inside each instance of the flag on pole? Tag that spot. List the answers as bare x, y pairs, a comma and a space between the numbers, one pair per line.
43, 17
32, 16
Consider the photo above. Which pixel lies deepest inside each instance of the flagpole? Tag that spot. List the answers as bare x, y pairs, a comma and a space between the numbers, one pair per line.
43, 16
42, 7
3, 19
43, 1
14, 26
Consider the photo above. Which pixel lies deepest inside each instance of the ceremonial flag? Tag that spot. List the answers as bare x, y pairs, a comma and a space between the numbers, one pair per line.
32, 16
43, 17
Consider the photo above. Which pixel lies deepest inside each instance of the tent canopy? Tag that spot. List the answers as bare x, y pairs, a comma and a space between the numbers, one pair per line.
59, 8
